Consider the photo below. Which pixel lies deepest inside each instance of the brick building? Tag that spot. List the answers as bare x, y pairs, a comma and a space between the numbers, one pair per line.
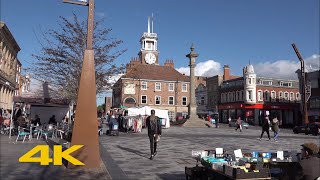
147, 83
250, 96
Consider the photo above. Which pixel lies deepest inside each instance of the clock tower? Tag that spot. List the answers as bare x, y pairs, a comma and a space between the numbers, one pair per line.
149, 46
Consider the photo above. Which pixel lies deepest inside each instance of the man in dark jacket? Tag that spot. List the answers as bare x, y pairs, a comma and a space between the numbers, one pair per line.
265, 127
154, 132
310, 164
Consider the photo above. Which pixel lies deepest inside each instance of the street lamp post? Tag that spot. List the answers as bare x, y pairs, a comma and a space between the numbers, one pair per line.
304, 97
85, 129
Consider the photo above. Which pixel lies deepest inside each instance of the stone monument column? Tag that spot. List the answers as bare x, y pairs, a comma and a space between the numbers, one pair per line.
192, 106
193, 120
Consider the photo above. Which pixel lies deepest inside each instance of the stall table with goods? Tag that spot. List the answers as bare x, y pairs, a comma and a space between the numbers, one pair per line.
217, 164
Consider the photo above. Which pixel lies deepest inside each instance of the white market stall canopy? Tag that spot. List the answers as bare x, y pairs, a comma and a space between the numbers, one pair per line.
146, 111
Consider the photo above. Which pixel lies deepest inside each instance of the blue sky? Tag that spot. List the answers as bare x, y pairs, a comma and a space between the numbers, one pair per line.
223, 31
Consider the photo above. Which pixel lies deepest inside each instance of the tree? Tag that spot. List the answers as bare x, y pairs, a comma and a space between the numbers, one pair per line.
60, 59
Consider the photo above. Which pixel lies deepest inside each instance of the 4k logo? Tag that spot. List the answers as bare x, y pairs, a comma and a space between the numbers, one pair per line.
58, 154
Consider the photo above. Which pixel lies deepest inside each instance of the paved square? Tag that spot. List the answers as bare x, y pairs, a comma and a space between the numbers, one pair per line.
126, 156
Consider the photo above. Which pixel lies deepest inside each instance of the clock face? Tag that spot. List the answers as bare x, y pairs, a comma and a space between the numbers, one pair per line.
150, 58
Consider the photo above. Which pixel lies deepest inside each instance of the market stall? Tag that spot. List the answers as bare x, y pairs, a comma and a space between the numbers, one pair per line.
217, 164
146, 111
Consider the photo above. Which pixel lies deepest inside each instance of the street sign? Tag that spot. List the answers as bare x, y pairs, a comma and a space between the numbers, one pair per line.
308, 92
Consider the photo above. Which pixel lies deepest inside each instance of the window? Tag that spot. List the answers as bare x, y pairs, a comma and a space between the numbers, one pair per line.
184, 101
249, 95
237, 96
298, 96
171, 100
280, 96
260, 96
158, 100
291, 96
286, 96
184, 87
171, 87
144, 85
273, 96
143, 99
266, 82
266, 95
242, 94
286, 84
229, 97
202, 101
249, 80
157, 86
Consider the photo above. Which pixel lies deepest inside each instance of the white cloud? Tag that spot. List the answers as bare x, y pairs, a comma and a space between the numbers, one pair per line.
285, 69
207, 68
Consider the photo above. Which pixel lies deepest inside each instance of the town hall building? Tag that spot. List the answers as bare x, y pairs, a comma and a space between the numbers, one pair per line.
147, 83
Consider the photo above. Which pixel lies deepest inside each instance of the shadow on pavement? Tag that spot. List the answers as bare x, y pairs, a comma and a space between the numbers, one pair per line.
134, 151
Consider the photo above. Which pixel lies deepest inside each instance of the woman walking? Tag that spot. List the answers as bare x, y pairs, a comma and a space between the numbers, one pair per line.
275, 128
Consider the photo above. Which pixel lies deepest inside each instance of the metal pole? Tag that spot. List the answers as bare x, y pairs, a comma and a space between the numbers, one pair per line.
303, 86
11, 122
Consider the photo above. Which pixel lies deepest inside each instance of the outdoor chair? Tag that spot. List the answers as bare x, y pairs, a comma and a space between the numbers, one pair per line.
22, 133
42, 132
35, 130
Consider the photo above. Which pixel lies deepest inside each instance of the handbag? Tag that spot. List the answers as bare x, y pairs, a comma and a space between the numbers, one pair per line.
157, 137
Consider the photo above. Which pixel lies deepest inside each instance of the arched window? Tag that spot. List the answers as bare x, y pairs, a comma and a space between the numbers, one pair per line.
129, 100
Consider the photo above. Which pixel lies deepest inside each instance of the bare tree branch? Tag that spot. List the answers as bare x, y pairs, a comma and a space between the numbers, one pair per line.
60, 59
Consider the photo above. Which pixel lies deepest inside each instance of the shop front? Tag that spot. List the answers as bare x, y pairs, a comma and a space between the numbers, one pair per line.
287, 114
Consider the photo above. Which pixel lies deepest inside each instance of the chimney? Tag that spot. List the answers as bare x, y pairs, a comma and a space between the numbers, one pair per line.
169, 63
226, 72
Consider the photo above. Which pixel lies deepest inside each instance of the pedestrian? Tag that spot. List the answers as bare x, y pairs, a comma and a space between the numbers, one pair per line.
239, 124
52, 120
309, 163
265, 127
36, 121
7, 117
216, 120
275, 128
154, 132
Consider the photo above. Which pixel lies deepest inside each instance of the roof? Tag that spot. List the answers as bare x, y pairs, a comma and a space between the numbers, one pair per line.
155, 72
